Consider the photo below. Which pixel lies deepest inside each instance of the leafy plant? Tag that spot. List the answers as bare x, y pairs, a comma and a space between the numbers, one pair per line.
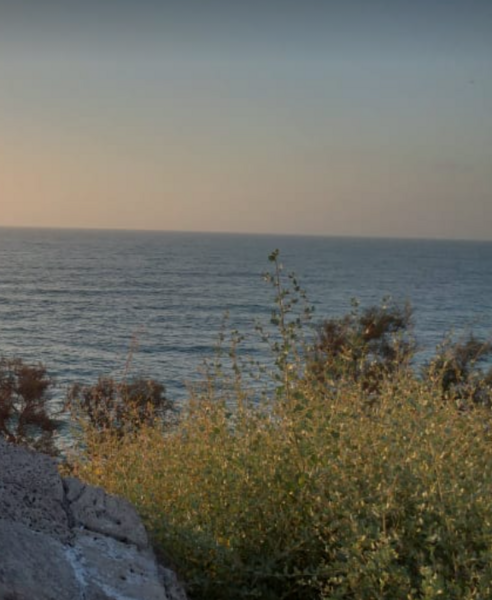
25, 417
119, 407
314, 492
456, 369
365, 345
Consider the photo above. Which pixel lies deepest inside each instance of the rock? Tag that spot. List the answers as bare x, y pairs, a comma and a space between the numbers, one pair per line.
31, 492
61, 539
93, 509
33, 565
118, 570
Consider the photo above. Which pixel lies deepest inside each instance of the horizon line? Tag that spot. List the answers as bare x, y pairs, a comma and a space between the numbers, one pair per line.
245, 233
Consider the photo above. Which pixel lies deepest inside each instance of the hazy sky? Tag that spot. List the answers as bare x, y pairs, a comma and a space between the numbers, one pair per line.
344, 118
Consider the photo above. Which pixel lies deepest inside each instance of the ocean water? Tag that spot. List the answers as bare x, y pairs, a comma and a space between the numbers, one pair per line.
81, 302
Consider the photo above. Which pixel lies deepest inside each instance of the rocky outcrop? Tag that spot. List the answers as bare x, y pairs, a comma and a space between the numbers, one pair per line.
63, 540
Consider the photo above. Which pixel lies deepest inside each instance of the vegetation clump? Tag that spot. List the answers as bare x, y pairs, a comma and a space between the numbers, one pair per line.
25, 417
456, 369
119, 407
355, 477
365, 346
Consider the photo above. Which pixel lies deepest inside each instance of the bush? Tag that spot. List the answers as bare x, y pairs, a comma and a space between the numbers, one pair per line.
317, 498
24, 415
373, 345
119, 407
315, 492
366, 346
456, 369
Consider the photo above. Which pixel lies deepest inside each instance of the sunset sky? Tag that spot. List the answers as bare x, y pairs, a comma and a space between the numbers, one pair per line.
333, 118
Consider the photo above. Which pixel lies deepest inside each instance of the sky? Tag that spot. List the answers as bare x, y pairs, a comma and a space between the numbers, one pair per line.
365, 118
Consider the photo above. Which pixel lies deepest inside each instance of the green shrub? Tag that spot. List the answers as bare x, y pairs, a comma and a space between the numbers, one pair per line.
325, 489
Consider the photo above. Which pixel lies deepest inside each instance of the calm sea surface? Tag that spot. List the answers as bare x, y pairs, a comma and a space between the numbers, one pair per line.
80, 300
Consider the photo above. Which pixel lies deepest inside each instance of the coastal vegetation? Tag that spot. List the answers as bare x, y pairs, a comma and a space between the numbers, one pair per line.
339, 469
24, 414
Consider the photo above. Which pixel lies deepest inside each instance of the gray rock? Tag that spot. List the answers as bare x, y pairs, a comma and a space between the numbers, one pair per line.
31, 492
33, 565
61, 539
93, 509
108, 567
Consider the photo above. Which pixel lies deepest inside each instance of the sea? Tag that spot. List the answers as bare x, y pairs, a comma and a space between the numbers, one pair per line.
91, 303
